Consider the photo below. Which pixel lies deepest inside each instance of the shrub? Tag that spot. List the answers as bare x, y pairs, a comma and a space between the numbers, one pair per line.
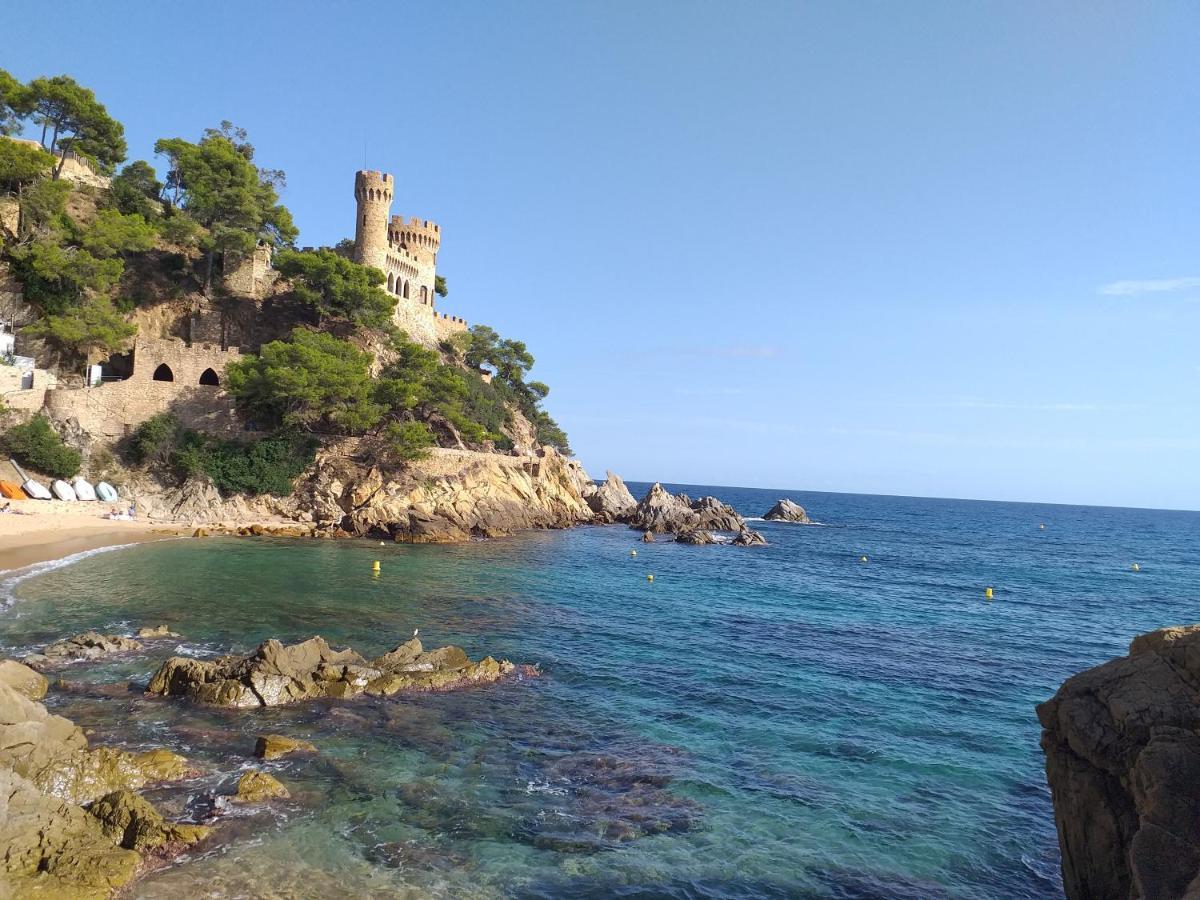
407, 440
154, 440
37, 445
267, 466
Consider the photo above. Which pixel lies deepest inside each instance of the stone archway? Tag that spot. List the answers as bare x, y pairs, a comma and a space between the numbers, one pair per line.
210, 378
164, 373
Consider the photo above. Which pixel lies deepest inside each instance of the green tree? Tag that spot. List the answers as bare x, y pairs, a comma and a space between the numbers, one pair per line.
154, 441
439, 286
21, 164
73, 119
16, 102
37, 445
337, 288
82, 330
42, 206
217, 183
56, 278
311, 381
113, 233
407, 441
136, 190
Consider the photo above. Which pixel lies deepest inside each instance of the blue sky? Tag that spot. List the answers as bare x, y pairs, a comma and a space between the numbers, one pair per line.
942, 249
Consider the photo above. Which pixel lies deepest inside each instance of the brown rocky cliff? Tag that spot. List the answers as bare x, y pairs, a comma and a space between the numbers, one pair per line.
1123, 764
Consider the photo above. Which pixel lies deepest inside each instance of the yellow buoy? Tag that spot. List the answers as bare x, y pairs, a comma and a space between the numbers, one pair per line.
649, 577
375, 568
988, 593
633, 553
862, 559
1136, 567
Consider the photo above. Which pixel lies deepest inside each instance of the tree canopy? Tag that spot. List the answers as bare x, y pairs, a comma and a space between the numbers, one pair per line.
337, 288
136, 190
16, 102
77, 332
22, 164
73, 119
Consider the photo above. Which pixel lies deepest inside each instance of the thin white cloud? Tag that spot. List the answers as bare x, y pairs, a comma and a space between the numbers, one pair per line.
1136, 288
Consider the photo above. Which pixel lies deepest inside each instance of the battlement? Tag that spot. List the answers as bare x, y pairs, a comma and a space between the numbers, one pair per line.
373, 186
415, 234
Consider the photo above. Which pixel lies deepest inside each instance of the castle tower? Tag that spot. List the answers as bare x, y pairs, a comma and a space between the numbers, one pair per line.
420, 237
373, 193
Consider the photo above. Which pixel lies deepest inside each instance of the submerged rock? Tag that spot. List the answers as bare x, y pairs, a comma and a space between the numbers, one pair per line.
275, 674
273, 746
89, 645
22, 679
648, 537
748, 538
1123, 761
611, 501
158, 631
786, 511
135, 824
695, 536
257, 787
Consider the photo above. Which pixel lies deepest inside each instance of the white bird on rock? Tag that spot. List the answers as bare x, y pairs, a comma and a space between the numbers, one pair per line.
415, 631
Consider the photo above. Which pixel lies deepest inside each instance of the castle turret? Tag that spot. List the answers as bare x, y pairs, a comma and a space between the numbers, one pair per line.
420, 237
373, 192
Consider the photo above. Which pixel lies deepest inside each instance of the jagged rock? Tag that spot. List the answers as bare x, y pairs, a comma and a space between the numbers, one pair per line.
257, 787
158, 631
662, 512
133, 823
695, 536
786, 511
23, 680
1123, 761
648, 537
716, 516
275, 674
89, 645
273, 746
611, 501
748, 538
54, 849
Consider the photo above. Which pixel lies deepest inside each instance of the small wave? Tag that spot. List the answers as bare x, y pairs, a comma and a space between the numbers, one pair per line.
10, 578
544, 787
786, 522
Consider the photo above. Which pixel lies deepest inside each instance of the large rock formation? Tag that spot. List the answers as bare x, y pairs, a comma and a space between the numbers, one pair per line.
611, 501
786, 511
1122, 745
275, 674
452, 495
662, 512
52, 847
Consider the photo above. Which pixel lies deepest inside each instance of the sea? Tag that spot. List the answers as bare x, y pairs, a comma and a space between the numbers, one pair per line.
840, 714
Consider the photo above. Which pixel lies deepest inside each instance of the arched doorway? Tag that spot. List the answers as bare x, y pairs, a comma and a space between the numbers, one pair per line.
164, 373
209, 377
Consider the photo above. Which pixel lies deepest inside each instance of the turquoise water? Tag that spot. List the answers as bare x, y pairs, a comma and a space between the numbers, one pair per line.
775, 722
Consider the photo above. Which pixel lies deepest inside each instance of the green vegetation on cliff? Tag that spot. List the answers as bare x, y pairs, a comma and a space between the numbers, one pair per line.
37, 445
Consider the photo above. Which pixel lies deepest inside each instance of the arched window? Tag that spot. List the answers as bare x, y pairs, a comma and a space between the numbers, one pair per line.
391, 284
209, 377
164, 373
424, 294
406, 289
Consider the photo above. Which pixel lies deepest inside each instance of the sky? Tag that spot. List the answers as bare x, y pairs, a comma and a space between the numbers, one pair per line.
938, 249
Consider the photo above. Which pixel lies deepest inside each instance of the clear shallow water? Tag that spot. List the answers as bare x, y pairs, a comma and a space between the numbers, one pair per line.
773, 722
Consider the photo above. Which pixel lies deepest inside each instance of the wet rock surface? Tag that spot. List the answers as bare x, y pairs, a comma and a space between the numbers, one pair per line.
695, 536
1123, 761
747, 538
787, 511
156, 632
277, 674
89, 645
259, 787
274, 746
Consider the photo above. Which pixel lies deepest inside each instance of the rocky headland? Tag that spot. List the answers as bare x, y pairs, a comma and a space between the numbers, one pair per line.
1122, 745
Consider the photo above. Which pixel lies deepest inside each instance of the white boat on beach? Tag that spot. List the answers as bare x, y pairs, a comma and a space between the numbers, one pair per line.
36, 490
62, 490
83, 488
106, 492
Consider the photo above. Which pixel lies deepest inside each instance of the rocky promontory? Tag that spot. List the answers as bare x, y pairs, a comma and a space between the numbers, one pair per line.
275, 673
691, 521
1122, 745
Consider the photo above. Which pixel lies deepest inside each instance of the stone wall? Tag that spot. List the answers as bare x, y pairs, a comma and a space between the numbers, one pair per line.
250, 276
111, 410
186, 364
24, 389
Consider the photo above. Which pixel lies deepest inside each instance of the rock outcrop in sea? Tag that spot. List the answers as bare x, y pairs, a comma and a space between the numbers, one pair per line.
70, 822
1122, 745
610, 501
691, 521
276, 674
787, 511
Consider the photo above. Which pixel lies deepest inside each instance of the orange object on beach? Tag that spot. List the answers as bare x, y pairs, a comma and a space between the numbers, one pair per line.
11, 490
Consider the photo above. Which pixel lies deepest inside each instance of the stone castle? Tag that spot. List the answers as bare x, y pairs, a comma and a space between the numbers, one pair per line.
405, 250
185, 374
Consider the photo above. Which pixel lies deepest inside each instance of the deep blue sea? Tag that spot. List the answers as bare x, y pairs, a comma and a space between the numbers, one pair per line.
787, 721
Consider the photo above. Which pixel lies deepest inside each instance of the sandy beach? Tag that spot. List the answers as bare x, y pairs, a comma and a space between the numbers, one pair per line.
41, 530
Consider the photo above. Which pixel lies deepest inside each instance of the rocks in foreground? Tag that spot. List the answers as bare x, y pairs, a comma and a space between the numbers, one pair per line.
258, 787
156, 632
22, 679
274, 746
276, 674
89, 645
52, 845
786, 511
1123, 761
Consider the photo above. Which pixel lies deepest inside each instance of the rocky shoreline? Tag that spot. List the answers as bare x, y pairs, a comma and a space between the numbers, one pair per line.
71, 819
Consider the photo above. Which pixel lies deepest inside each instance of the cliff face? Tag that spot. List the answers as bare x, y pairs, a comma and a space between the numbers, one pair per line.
1123, 763
452, 495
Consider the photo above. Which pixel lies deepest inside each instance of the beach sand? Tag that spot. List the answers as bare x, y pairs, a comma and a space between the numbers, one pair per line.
52, 529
